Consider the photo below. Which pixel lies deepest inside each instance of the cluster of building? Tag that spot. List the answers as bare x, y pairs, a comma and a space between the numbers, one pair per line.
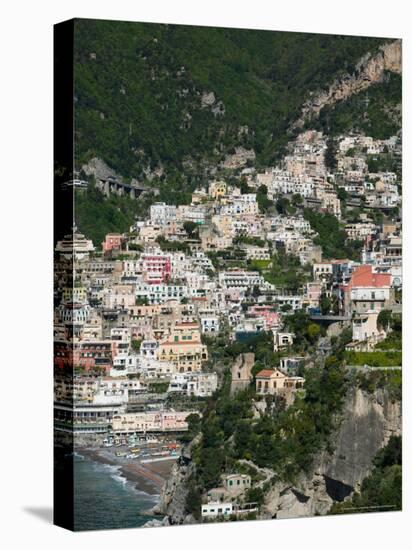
229, 499
134, 320
303, 172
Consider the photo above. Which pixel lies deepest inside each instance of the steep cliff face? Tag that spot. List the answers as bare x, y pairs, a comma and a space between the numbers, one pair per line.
370, 70
368, 421
172, 503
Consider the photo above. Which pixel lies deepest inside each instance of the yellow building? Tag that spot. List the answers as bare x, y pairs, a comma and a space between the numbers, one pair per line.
183, 348
217, 189
74, 294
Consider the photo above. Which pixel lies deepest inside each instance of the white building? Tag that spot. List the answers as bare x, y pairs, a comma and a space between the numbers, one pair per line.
209, 323
198, 384
216, 509
159, 293
162, 213
239, 279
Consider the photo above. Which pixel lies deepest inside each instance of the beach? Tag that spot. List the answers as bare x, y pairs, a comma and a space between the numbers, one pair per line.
146, 477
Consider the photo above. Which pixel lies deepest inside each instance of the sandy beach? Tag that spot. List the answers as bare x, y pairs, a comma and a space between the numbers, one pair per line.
148, 477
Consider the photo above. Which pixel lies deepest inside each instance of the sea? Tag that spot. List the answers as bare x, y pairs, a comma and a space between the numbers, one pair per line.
103, 499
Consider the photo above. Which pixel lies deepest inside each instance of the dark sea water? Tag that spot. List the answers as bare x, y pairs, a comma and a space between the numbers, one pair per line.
105, 500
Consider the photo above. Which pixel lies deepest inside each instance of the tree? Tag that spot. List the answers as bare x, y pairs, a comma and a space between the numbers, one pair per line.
244, 188
282, 206
194, 500
330, 154
324, 304
255, 494
384, 319
342, 193
191, 228
297, 199
262, 199
136, 345
256, 291
313, 331
194, 423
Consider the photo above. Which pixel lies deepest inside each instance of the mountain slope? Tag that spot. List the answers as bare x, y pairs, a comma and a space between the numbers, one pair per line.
170, 96
370, 70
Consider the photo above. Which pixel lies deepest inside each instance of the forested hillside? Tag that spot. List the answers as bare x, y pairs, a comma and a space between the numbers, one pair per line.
143, 91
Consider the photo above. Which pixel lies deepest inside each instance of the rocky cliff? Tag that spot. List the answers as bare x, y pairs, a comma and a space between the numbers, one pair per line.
368, 421
370, 70
172, 503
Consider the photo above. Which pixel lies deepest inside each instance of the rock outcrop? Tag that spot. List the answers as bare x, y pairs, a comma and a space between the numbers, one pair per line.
367, 423
239, 158
172, 503
370, 70
99, 169
208, 100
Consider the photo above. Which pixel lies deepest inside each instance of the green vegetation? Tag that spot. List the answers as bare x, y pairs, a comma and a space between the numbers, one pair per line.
284, 207
252, 241
265, 204
390, 380
382, 489
192, 229
136, 344
258, 265
255, 494
233, 257
97, 215
261, 345
330, 154
304, 330
331, 236
392, 342
284, 440
172, 246
384, 319
135, 84
384, 162
286, 272
158, 386
374, 358
374, 112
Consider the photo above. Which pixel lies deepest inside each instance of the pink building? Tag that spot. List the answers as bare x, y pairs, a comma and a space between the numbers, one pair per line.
313, 292
113, 241
157, 268
271, 318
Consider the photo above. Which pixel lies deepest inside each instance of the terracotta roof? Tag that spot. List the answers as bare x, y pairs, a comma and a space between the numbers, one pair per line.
265, 373
364, 277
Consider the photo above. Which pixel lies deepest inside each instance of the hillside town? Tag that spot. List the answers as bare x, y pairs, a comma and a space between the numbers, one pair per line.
140, 316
